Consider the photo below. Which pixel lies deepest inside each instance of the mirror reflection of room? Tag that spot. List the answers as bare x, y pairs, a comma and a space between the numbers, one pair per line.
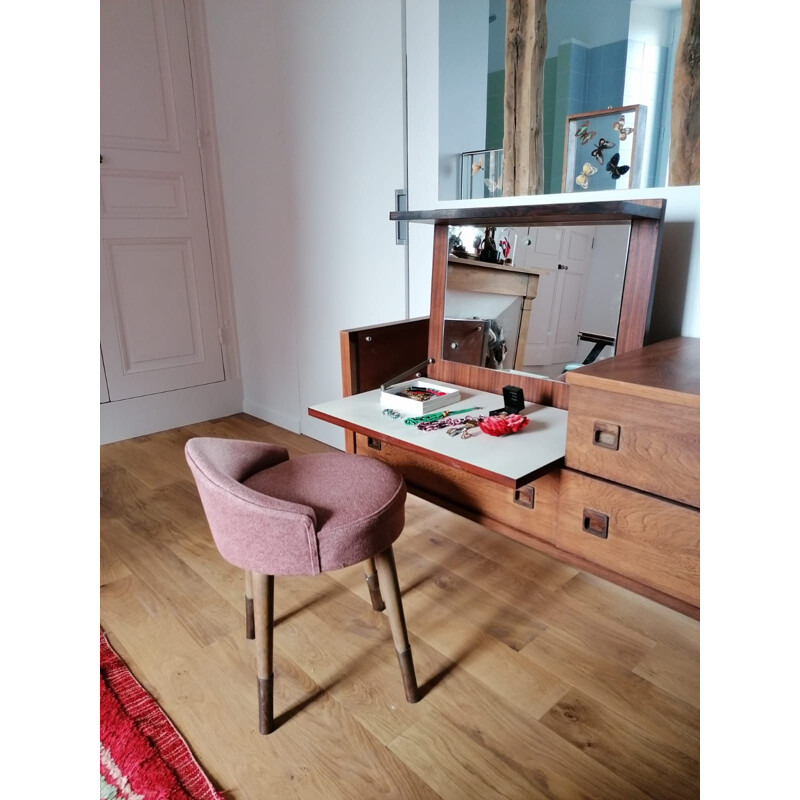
539, 299
599, 56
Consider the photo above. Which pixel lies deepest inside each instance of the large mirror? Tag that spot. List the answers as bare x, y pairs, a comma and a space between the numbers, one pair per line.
537, 299
604, 62
532, 290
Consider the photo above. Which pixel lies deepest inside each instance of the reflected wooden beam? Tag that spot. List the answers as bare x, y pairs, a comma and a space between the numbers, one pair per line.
684, 150
523, 142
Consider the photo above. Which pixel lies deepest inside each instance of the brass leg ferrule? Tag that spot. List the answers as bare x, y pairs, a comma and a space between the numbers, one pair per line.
409, 677
266, 723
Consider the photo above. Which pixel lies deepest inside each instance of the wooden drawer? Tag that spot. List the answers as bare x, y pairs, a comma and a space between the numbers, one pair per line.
658, 443
652, 541
482, 499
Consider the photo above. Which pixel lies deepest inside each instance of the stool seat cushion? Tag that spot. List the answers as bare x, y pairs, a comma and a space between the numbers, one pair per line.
358, 502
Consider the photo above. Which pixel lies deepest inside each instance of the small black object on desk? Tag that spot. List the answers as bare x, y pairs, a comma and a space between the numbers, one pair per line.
513, 399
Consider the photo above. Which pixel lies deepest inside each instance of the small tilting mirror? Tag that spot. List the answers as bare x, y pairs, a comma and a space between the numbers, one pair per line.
539, 300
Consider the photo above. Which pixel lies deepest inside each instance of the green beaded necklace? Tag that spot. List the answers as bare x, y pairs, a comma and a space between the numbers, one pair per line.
439, 415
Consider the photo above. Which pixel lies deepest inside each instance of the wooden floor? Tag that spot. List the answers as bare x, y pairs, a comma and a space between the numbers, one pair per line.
538, 680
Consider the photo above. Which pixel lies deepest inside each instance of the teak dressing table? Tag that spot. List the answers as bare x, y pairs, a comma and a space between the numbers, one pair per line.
606, 474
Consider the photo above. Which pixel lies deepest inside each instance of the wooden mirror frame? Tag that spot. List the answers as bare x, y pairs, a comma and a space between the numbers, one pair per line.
645, 218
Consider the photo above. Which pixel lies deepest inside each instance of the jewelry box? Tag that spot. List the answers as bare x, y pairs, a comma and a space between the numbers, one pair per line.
402, 397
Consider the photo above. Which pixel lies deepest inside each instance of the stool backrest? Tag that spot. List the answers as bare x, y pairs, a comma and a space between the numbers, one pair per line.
251, 530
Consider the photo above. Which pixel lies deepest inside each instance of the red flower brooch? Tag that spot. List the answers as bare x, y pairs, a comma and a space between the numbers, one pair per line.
503, 425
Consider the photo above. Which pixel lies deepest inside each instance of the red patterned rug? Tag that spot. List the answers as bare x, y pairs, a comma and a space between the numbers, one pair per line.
142, 755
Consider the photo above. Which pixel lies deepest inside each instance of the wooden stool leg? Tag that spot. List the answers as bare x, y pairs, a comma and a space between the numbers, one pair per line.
372, 584
264, 608
250, 627
387, 571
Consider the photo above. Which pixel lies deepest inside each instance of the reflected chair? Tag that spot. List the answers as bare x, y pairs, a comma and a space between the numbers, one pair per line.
271, 515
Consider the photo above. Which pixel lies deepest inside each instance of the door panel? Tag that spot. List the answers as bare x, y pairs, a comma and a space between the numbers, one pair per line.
556, 311
538, 345
578, 245
545, 242
137, 93
158, 312
538, 247
566, 334
133, 194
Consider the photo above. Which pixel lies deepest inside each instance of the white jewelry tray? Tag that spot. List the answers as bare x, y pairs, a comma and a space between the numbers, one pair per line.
393, 397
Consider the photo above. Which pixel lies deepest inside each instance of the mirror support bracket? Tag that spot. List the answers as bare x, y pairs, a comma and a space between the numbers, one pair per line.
408, 373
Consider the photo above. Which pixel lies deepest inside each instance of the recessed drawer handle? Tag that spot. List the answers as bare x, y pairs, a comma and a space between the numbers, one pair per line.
375, 444
606, 434
595, 523
524, 496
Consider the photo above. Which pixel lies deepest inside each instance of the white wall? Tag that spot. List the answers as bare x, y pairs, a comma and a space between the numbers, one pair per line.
309, 102
676, 307
244, 50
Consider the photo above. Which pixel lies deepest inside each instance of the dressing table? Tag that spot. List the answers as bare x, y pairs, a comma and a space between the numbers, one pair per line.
546, 486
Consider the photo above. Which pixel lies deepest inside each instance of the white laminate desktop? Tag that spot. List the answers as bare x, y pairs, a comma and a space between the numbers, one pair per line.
509, 460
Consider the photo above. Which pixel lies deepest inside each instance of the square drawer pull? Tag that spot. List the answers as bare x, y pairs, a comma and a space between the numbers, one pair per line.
375, 444
606, 434
524, 496
595, 523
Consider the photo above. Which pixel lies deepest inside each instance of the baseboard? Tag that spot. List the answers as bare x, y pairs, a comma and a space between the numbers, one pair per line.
285, 421
124, 419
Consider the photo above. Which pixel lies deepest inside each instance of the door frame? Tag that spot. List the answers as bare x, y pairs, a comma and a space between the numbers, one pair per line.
200, 63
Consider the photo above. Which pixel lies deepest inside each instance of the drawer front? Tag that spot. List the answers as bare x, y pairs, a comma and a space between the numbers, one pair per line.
647, 444
653, 541
484, 498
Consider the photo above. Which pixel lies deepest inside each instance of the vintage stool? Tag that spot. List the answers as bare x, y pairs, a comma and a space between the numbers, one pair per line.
272, 516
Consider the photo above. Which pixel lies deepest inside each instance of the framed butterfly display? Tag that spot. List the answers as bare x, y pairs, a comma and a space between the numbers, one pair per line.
603, 149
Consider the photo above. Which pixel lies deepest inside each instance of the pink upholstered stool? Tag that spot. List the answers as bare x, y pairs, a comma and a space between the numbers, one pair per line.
273, 516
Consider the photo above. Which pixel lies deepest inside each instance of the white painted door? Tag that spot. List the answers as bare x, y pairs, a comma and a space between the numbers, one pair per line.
159, 325
563, 257
573, 273
539, 247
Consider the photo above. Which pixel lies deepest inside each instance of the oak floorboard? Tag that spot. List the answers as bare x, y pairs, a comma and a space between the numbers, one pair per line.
321, 747
112, 567
676, 723
200, 608
509, 625
673, 671
144, 459
598, 634
512, 734
659, 623
442, 622
123, 496
506, 643
522, 561
664, 772
458, 768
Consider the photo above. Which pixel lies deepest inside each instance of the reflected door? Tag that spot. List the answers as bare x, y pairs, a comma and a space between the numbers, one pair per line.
556, 311
158, 313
